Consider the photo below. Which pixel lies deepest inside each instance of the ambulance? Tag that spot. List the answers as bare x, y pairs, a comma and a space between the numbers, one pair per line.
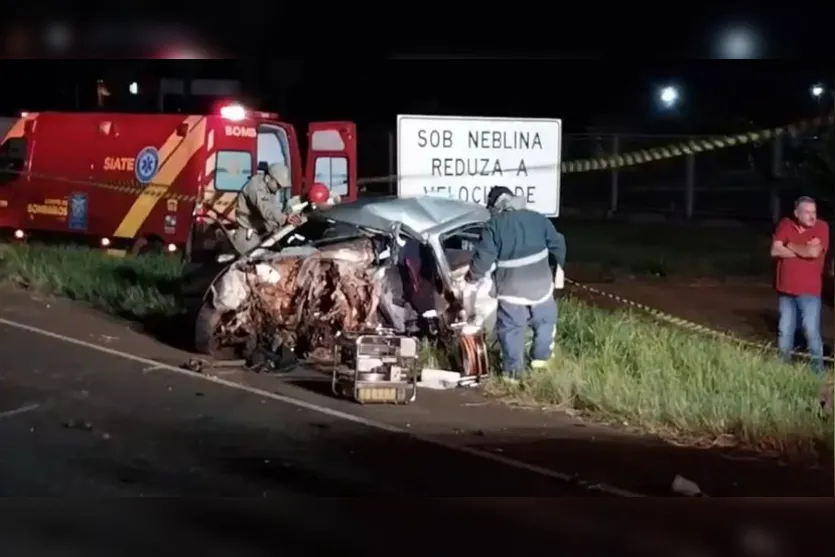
154, 182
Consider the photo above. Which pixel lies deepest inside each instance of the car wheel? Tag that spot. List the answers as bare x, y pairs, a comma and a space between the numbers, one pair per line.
205, 342
148, 246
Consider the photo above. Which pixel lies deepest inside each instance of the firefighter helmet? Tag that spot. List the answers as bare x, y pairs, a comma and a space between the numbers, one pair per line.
280, 173
319, 194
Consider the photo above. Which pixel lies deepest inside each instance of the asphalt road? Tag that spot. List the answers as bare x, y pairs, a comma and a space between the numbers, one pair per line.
78, 422
79, 425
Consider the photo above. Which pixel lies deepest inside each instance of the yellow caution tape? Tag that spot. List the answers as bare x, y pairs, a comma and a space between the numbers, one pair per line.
128, 187
673, 150
694, 146
633, 158
684, 323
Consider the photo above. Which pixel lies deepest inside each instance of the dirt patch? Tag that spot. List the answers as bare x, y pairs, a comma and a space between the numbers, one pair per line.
748, 308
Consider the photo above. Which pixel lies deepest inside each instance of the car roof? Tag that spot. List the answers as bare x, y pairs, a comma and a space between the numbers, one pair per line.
421, 217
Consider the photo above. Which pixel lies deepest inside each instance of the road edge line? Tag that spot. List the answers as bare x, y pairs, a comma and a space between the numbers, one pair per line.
333, 413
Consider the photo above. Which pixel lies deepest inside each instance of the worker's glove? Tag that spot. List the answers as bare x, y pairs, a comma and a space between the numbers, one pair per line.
295, 220
559, 278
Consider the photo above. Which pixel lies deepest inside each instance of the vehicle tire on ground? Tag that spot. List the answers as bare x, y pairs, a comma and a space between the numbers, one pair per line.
205, 325
147, 246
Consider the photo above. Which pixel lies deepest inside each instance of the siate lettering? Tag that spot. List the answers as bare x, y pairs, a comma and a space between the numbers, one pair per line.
119, 164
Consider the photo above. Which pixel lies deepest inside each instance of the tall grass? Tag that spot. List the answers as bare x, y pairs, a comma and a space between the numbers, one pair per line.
133, 287
623, 367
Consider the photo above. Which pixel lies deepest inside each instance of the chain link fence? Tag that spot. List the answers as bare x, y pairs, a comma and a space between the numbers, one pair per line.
743, 183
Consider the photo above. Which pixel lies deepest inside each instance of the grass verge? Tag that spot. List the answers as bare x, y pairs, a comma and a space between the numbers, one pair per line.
622, 367
134, 288
613, 366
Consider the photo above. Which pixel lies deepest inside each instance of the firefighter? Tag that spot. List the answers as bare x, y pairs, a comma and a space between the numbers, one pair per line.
526, 250
259, 210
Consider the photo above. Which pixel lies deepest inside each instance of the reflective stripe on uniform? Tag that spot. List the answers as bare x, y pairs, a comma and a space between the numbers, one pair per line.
524, 301
523, 261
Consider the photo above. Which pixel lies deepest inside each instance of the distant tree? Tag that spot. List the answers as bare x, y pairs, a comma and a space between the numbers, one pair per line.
810, 163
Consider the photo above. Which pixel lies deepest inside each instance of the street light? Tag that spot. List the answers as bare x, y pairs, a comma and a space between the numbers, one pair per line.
668, 96
816, 90
133, 88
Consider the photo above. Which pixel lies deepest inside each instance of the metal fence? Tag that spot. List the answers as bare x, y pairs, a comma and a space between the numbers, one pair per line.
733, 183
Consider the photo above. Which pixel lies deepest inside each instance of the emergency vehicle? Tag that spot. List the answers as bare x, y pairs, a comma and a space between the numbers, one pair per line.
144, 182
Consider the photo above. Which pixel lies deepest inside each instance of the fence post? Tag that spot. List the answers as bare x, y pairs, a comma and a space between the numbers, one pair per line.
613, 188
776, 174
690, 186
392, 178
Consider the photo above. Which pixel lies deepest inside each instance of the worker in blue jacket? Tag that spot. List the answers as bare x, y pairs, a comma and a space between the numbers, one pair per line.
526, 250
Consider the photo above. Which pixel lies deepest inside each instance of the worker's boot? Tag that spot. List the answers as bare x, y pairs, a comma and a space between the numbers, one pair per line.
539, 364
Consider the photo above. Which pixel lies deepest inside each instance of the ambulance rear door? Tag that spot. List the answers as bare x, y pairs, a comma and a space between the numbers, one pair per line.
277, 143
230, 161
15, 158
332, 158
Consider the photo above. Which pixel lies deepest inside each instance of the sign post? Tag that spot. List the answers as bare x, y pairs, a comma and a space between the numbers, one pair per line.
463, 158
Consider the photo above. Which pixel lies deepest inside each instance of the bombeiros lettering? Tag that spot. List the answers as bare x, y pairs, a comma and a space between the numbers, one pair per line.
49, 207
241, 131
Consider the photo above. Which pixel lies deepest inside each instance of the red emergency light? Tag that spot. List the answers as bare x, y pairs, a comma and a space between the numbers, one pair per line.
233, 112
236, 112
266, 115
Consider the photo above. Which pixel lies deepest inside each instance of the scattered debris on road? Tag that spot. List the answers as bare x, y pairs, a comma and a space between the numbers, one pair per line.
79, 425
688, 488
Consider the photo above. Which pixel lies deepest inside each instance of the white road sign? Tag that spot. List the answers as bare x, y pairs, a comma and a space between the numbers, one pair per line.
462, 158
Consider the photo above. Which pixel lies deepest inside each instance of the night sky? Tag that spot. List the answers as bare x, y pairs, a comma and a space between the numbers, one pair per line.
596, 67
716, 96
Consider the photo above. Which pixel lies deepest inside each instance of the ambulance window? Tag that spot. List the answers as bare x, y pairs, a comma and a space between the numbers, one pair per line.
233, 170
333, 172
12, 158
273, 145
14, 149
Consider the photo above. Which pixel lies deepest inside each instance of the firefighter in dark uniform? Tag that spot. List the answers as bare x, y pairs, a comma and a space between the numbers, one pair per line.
526, 250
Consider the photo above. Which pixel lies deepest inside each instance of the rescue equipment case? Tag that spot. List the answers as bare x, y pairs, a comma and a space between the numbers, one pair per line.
375, 367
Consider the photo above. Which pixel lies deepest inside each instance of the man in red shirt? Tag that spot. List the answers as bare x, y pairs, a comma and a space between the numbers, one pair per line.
800, 245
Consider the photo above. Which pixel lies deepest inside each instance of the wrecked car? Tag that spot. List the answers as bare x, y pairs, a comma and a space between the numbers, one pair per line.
395, 263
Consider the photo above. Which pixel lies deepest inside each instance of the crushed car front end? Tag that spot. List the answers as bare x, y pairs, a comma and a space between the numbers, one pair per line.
345, 269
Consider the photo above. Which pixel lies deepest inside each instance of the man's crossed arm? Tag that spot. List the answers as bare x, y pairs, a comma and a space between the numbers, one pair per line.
781, 247
812, 250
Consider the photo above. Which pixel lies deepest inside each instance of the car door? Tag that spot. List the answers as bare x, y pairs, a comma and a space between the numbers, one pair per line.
458, 249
